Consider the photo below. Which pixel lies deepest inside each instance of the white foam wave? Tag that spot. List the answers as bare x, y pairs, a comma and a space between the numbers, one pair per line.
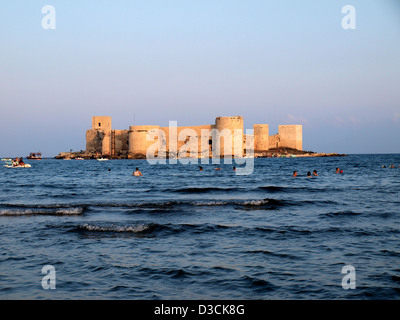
113, 228
41, 211
211, 203
255, 202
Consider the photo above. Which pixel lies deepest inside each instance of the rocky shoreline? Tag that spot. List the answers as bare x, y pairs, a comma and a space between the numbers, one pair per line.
293, 153
271, 153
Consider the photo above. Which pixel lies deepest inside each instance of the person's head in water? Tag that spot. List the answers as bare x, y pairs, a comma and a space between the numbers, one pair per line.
137, 172
201, 168
294, 173
308, 174
315, 173
234, 168
337, 170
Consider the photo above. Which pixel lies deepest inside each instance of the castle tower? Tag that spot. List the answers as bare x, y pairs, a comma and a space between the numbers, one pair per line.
291, 136
101, 123
226, 127
98, 139
138, 143
261, 137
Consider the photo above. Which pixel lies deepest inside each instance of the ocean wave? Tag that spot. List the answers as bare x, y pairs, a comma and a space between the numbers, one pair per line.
191, 190
144, 229
258, 283
274, 188
212, 189
194, 190
153, 229
42, 205
139, 228
137, 207
186, 205
286, 230
342, 213
274, 254
42, 211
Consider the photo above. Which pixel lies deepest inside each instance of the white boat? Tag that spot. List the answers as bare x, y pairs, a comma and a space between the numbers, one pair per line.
26, 165
79, 158
102, 159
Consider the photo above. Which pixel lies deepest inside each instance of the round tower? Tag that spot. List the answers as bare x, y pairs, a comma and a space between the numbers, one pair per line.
261, 137
230, 132
138, 143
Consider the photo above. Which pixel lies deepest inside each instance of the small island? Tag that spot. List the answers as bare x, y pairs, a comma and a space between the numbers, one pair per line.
104, 142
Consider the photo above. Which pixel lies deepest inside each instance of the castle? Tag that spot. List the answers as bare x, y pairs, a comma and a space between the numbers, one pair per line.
104, 141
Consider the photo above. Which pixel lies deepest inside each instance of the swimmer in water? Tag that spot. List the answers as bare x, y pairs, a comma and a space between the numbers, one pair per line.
294, 173
15, 162
308, 174
201, 168
137, 173
234, 168
315, 173
337, 170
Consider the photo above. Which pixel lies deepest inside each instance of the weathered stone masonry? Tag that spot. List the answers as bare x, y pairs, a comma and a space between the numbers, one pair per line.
102, 140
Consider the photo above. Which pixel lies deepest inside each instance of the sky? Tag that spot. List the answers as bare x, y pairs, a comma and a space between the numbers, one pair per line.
148, 62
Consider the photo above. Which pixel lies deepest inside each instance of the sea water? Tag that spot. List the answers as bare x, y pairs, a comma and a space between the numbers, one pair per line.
181, 233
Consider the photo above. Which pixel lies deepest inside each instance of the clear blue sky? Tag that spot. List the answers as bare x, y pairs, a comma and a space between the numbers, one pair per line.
275, 62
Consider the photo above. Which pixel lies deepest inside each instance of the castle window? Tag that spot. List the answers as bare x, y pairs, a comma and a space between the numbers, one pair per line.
99, 124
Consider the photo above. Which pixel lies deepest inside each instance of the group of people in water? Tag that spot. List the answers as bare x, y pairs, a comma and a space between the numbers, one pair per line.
315, 173
137, 173
18, 162
216, 168
391, 166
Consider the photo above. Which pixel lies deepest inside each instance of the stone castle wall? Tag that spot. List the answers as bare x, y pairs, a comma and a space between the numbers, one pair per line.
102, 140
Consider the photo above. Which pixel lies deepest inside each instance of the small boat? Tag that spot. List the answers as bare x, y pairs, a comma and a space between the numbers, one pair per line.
79, 158
102, 159
8, 161
25, 165
34, 156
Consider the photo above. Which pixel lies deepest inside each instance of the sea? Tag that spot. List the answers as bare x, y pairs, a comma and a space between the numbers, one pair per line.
90, 230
